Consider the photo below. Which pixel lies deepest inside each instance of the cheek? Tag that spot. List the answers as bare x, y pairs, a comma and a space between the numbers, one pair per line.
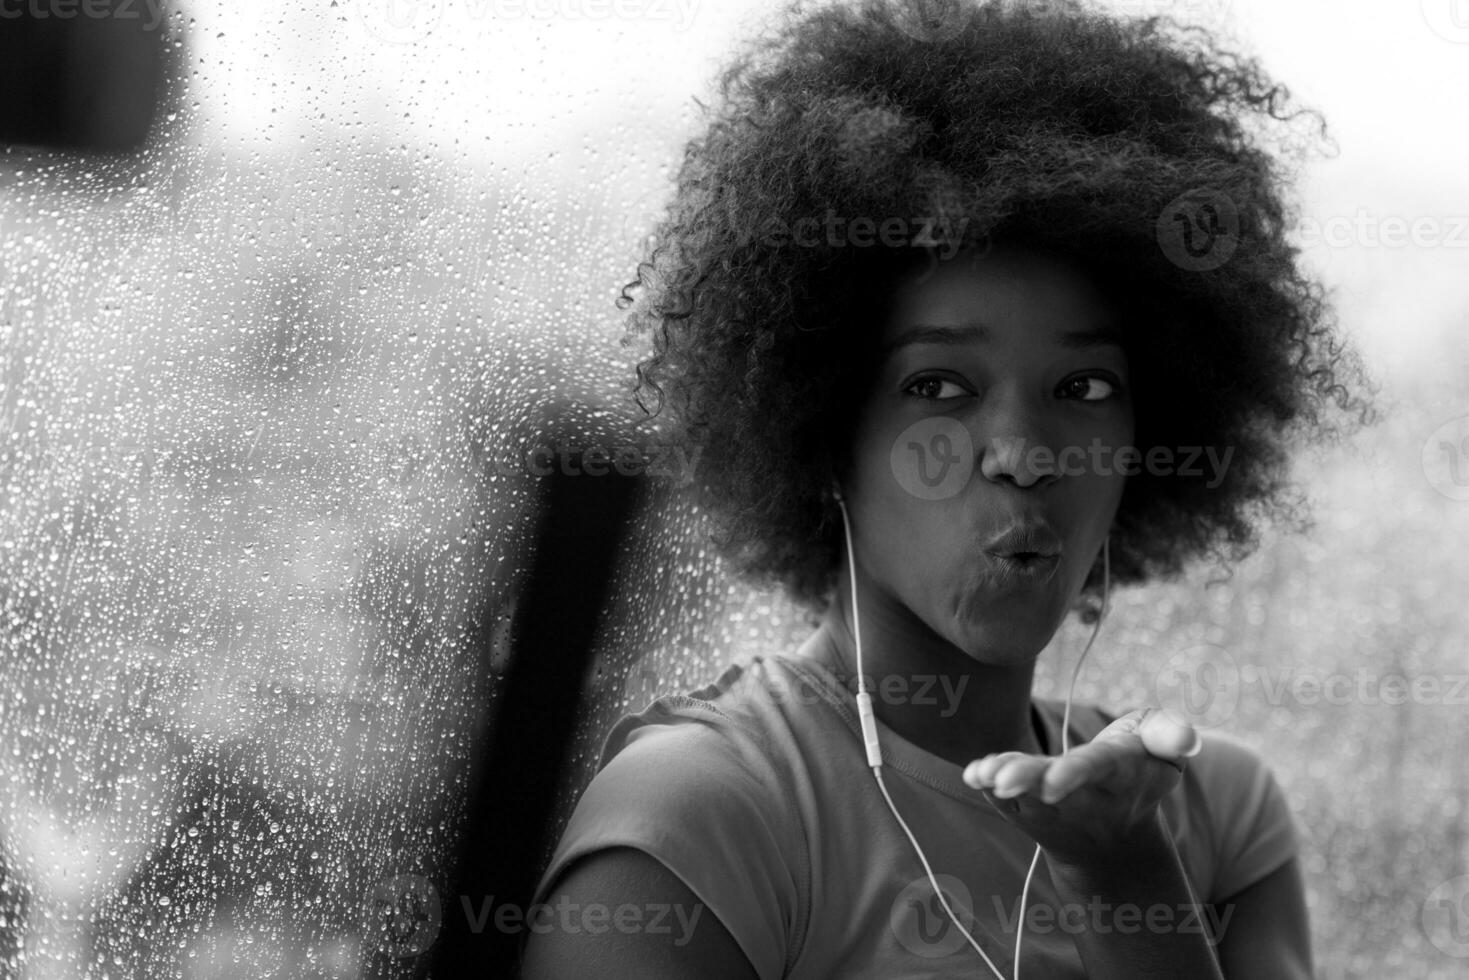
892, 523
1105, 477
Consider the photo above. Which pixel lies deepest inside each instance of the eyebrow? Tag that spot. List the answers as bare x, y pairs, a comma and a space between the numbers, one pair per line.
970, 332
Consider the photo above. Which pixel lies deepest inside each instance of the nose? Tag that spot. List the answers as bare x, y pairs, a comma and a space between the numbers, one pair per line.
1014, 443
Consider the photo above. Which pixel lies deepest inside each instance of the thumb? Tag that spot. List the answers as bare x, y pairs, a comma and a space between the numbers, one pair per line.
1168, 737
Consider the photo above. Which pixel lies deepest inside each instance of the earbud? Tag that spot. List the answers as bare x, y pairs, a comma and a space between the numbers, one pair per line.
836, 489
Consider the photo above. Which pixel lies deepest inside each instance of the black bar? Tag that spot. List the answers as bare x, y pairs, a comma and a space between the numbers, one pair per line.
513, 794
86, 75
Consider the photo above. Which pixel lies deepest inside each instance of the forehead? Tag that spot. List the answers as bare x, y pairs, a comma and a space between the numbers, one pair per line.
1003, 291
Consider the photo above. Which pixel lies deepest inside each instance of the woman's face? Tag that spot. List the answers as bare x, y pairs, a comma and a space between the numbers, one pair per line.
1000, 401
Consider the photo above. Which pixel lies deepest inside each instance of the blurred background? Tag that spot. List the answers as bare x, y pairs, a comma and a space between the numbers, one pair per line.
268, 396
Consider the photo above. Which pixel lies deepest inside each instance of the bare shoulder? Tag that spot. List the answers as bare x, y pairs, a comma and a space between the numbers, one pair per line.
621, 913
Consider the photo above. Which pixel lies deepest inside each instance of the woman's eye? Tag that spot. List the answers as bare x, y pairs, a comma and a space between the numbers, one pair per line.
1090, 388
936, 389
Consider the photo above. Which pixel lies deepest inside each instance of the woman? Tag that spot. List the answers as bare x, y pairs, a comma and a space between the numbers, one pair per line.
930, 274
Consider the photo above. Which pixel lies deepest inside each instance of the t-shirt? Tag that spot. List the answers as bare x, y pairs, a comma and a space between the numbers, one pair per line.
755, 791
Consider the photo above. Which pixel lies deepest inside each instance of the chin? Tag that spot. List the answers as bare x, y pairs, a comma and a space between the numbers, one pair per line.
1003, 632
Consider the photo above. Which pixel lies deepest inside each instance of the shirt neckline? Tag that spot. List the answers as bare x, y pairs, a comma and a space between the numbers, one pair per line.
898, 752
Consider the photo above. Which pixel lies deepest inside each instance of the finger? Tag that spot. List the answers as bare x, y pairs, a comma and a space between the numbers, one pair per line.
980, 774
1123, 727
1091, 764
1020, 775
1168, 737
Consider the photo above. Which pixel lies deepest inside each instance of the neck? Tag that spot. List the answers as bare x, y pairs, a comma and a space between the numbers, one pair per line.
926, 689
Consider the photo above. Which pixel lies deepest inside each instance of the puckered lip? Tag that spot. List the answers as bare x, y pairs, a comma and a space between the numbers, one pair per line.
1025, 539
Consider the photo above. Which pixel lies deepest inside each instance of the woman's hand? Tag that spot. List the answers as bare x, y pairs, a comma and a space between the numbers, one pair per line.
1090, 807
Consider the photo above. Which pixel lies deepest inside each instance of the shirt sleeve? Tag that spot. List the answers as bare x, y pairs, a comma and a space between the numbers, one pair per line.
1251, 822
688, 796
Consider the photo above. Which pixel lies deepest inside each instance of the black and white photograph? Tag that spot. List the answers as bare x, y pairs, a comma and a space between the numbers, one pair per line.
734, 489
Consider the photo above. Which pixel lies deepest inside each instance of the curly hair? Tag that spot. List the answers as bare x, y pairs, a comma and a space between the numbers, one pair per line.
1052, 125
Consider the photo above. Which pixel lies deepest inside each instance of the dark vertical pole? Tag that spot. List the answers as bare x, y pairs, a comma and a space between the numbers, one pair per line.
512, 795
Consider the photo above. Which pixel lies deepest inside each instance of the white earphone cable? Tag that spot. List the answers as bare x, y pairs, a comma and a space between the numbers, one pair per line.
874, 752
1065, 727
